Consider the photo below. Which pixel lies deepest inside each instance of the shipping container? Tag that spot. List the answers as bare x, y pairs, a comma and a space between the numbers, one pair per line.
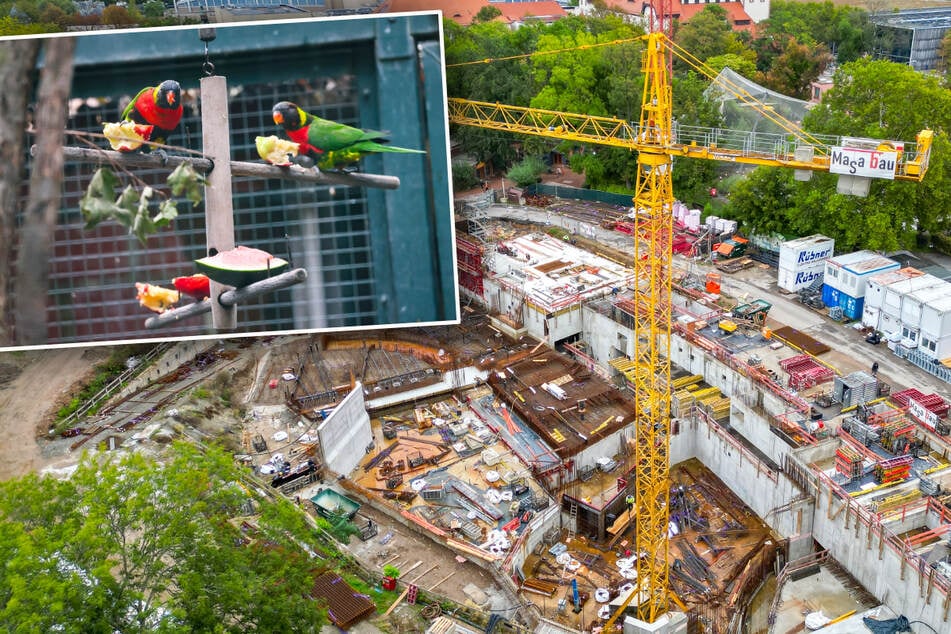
936, 317
875, 290
871, 315
913, 303
895, 293
851, 306
937, 347
794, 279
795, 253
850, 272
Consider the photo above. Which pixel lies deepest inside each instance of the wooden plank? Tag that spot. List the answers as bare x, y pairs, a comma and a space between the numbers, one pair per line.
399, 600
440, 582
412, 568
424, 573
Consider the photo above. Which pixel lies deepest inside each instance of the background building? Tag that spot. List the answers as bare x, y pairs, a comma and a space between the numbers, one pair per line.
912, 37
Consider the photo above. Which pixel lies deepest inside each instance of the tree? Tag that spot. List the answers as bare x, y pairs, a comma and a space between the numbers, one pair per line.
117, 16
873, 99
46, 181
708, 34
692, 178
944, 57
527, 171
153, 9
795, 68
845, 30
135, 545
17, 59
463, 176
743, 64
487, 14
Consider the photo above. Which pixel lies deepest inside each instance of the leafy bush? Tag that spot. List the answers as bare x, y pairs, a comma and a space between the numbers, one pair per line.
941, 242
463, 176
390, 570
339, 528
527, 171
105, 372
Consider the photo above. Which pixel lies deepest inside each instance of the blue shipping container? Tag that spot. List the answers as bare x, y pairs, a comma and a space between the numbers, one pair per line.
830, 296
852, 307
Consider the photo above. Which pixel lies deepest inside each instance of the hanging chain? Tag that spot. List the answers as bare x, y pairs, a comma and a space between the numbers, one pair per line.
207, 35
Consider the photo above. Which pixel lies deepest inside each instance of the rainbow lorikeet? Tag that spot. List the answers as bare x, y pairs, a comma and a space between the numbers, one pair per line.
159, 106
330, 143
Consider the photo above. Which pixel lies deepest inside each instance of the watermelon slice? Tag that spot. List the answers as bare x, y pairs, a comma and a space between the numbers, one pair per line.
241, 266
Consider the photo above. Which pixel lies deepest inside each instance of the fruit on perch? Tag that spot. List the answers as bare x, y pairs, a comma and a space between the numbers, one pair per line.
196, 285
157, 298
330, 143
127, 136
275, 150
241, 266
159, 106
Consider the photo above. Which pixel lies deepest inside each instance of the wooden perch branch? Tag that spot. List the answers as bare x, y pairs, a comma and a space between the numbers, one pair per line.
238, 168
228, 298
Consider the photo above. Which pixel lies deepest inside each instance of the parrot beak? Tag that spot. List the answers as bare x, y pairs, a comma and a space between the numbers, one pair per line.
278, 118
170, 97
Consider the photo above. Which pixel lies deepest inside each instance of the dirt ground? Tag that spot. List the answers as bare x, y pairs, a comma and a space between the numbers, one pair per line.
33, 384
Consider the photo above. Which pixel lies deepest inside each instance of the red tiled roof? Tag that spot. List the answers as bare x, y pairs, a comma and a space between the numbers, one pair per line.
463, 11
734, 10
547, 10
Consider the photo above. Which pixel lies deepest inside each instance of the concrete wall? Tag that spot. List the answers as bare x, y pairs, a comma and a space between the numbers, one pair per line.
777, 500
604, 336
862, 549
774, 498
607, 447
560, 325
542, 522
345, 434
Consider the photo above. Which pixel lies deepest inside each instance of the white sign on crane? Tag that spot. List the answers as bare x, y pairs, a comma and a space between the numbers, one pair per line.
859, 162
871, 158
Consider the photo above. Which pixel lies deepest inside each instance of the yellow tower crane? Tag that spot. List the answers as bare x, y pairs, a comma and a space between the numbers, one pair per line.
657, 141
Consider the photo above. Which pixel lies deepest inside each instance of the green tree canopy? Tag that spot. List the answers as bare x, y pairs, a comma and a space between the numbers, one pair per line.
874, 99
846, 30
135, 545
487, 14
709, 34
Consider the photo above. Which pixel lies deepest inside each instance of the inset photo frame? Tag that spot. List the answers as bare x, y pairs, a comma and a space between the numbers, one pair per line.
227, 180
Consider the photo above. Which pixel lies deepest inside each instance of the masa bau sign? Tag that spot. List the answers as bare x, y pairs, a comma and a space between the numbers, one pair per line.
867, 162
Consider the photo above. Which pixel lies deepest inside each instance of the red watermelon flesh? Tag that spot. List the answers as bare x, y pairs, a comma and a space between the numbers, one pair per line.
196, 285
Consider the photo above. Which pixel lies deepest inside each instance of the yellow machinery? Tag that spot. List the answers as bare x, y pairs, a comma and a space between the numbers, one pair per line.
656, 142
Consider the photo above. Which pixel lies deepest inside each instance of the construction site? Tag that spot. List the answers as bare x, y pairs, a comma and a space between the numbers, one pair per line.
631, 428
509, 442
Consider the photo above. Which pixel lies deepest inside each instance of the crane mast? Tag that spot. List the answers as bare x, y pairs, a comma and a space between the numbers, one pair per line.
653, 222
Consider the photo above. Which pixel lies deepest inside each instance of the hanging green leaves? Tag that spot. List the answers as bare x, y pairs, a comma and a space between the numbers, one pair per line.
185, 180
134, 209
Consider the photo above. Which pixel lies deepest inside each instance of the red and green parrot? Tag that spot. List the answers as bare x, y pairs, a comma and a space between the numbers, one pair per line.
332, 145
159, 106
